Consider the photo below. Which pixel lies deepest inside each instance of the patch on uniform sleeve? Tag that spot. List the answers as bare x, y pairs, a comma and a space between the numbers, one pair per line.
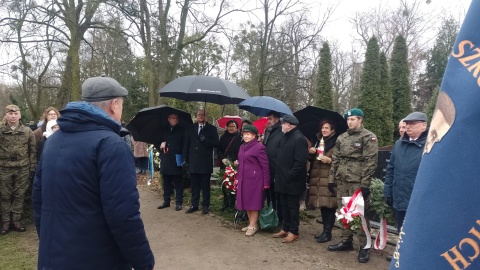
373, 139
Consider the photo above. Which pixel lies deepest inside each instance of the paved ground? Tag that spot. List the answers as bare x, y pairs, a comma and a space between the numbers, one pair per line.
195, 241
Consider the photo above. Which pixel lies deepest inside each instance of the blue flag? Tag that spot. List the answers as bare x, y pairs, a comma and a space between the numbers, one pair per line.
442, 226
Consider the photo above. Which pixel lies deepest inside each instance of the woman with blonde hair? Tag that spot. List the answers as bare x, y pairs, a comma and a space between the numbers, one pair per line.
50, 113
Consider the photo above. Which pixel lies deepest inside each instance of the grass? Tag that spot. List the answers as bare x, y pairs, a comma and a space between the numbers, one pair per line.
20, 250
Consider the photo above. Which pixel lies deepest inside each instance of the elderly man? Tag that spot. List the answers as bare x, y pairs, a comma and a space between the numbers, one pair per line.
354, 162
200, 139
290, 177
403, 165
171, 146
84, 194
17, 163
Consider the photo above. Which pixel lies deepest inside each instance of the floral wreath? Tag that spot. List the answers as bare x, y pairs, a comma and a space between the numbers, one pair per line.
229, 176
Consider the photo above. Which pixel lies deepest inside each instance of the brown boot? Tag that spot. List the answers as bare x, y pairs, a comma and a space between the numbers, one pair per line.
5, 228
17, 226
290, 238
280, 234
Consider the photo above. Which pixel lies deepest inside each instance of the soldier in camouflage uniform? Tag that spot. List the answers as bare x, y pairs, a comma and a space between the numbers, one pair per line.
354, 161
17, 163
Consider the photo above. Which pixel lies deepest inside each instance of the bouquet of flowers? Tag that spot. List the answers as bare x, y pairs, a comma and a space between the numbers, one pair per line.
229, 176
351, 214
354, 223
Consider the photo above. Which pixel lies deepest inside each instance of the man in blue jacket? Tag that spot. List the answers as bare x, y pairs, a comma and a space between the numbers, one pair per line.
403, 165
84, 194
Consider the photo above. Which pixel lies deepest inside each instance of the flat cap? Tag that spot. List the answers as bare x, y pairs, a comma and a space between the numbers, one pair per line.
12, 108
292, 120
250, 128
102, 88
353, 112
416, 116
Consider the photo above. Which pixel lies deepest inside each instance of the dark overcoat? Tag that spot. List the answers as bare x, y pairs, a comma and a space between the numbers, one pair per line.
253, 175
174, 138
198, 154
291, 172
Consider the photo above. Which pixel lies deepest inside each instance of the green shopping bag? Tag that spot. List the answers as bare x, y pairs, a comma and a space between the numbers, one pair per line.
268, 218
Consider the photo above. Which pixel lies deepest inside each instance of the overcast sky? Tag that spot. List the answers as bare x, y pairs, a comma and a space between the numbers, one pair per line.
340, 28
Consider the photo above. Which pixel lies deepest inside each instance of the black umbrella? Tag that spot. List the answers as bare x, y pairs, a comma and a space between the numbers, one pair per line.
310, 118
204, 88
147, 124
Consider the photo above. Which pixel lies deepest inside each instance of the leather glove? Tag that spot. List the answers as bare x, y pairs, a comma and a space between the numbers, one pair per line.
388, 201
31, 175
331, 187
365, 192
202, 138
184, 164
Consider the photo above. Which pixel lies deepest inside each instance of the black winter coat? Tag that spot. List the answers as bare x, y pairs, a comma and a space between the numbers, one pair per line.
199, 155
174, 138
291, 167
229, 147
272, 143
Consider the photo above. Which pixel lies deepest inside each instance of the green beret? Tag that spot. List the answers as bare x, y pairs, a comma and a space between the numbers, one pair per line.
353, 112
250, 128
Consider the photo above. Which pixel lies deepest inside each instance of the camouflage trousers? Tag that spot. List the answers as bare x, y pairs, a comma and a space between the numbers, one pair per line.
346, 189
13, 185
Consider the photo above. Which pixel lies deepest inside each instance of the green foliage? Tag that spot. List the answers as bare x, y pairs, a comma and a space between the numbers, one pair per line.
323, 89
371, 96
432, 103
386, 117
402, 94
377, 201
436, 63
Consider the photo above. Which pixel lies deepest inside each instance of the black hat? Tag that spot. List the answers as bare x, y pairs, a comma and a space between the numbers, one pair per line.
289, 119
102, 88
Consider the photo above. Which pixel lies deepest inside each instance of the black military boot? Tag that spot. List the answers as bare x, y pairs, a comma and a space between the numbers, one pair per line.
342, 246
364, 255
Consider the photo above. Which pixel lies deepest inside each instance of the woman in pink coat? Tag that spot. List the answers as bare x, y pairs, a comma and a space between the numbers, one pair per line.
253, 177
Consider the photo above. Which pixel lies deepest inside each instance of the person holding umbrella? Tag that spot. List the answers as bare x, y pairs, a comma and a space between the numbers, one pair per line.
171, 148
318, 194
200, 139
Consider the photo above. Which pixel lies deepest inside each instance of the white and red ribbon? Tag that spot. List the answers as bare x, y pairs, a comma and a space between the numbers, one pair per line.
355, 206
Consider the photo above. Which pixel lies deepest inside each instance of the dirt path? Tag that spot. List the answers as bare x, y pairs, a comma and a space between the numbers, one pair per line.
194, 241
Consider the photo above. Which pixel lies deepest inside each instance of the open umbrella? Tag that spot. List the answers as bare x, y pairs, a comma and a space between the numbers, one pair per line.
147, 124
261, 105
310, 118
261, 124
222, 122
204, 88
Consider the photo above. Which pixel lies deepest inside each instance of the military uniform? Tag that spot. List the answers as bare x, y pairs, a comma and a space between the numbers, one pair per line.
17, 161
354, 161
